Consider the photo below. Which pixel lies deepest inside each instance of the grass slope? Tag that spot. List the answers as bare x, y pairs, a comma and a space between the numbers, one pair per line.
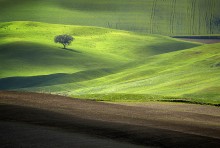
107, 64
31, 50
167, 17
190, 75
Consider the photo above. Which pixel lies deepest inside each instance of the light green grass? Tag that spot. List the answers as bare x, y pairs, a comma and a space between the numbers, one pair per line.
192, 75
167, 17
133, 98
107, 64
31, 49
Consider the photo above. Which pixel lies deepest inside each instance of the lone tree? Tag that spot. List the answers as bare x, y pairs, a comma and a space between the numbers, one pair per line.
63, 39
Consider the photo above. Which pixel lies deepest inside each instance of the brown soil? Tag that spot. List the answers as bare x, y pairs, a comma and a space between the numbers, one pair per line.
200, 39
147, 124
205, 41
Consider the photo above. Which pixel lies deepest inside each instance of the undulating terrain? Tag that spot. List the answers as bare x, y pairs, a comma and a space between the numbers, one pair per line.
116, 54
120, 82
107, 64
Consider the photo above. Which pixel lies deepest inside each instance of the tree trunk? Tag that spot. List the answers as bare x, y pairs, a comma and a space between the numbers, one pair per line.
64, 46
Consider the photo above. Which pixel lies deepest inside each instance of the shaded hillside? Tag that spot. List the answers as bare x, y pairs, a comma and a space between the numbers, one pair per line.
27, 48
167, 17
107, 64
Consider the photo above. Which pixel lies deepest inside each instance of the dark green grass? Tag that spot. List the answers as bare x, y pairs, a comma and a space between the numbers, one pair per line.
167, 17
23, 58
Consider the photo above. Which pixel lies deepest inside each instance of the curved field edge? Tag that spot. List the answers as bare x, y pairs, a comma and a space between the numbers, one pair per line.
144, 124
141, 98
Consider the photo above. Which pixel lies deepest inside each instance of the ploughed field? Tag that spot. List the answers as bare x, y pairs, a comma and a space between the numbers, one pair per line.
202, 39
53, 120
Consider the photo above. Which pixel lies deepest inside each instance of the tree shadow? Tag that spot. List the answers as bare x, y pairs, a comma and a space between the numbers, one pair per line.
71, 50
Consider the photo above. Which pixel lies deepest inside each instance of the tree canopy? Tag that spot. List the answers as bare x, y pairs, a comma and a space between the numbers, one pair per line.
63, 39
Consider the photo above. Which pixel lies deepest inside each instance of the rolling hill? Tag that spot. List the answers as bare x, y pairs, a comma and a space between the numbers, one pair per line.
128, 61
166, 17
107, 64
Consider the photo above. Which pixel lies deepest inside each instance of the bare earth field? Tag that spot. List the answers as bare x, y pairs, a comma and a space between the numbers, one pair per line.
41, 120
200, 39
205, 41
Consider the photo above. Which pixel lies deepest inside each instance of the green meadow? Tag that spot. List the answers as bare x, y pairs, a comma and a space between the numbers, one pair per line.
122, 50
167, 17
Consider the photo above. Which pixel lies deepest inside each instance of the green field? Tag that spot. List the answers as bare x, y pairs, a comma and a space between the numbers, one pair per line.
122, 50
107, 64
167, 17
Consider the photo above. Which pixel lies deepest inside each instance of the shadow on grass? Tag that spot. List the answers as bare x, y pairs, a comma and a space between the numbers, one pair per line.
52, 79
71, 50
170, 47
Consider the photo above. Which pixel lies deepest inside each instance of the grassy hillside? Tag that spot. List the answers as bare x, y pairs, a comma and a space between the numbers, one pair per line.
167, 17
107, 64
31, 50
190, 75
